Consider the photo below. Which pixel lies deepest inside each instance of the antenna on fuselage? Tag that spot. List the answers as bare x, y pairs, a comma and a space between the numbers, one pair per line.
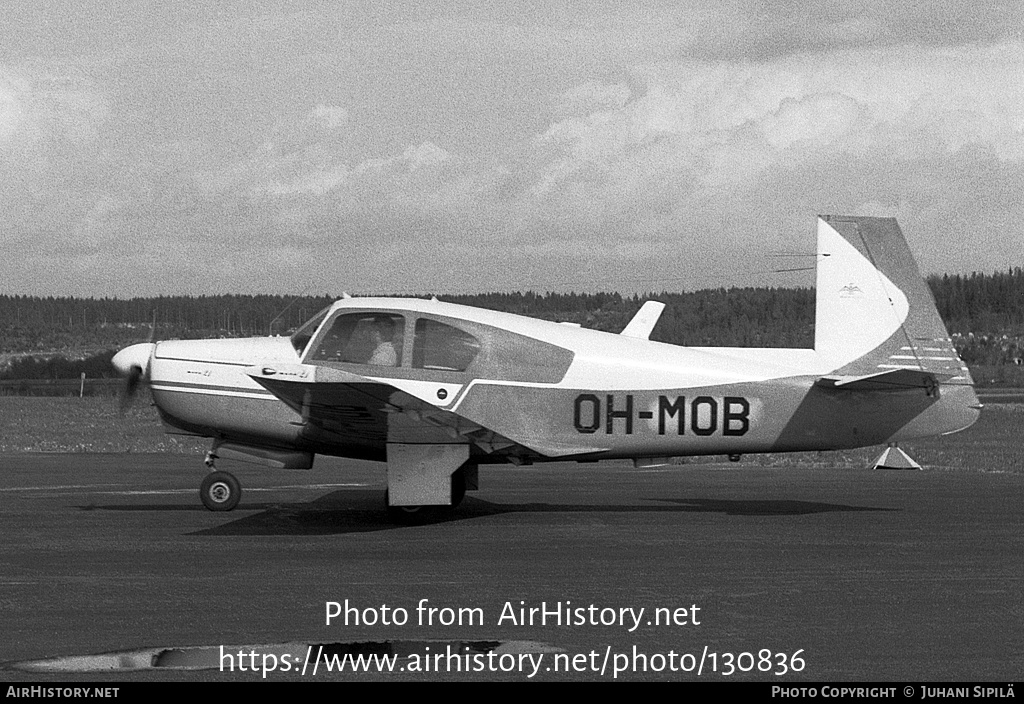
270, 325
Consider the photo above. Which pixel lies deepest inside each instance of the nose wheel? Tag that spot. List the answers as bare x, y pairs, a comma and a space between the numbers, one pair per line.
220, 491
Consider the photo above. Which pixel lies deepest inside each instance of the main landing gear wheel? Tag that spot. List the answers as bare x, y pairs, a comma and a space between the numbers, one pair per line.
220, 491
409, 515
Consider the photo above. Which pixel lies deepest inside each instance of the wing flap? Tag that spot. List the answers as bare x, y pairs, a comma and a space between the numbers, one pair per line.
889, 380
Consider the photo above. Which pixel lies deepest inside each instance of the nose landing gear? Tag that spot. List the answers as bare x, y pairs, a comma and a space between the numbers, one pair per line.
220, 491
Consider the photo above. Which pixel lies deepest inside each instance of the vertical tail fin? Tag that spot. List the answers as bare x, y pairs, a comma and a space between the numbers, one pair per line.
874, 312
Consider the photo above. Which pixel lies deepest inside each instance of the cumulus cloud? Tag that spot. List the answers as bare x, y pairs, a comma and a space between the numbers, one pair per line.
470, 150
639, 174
901, 101
52, 163
43, 108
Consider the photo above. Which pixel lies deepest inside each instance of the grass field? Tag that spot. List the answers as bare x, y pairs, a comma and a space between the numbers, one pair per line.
90, 424
95, 424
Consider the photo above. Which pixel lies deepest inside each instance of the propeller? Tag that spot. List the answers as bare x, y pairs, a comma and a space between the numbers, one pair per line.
132, 363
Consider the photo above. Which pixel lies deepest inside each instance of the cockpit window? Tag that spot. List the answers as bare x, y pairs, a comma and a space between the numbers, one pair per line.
301, 337
443, 347
363, 338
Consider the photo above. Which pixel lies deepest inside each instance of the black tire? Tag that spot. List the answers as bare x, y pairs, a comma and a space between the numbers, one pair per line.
220, 491
408, 515
458, 487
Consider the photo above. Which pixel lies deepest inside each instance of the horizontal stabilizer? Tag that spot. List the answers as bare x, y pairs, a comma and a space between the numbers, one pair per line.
644, 321
890, 380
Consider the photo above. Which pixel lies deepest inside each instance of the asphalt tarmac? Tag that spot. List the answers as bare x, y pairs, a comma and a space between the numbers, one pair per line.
784, 575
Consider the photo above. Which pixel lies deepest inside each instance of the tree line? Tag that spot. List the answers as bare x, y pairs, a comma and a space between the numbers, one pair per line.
984, 312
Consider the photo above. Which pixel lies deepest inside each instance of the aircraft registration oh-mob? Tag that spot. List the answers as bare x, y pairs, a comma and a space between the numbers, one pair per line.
436, 389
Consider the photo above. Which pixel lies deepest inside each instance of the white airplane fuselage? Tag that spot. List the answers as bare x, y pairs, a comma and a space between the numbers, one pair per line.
619, 397
461, 386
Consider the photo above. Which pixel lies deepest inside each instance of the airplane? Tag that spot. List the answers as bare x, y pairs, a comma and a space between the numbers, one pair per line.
435, 389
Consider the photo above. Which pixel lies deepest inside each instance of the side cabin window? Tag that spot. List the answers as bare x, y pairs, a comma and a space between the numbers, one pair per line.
363, 338
441, 347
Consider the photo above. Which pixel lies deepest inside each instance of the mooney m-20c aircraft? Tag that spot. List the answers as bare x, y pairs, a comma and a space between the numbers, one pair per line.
436, 389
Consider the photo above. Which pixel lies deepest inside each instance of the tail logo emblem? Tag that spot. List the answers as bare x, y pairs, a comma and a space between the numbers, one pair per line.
851, 291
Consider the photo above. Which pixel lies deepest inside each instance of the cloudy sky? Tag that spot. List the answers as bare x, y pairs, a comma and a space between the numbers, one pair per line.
388, 146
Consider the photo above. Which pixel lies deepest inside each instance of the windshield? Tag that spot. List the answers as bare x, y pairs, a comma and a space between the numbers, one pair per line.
362, 338
301, 337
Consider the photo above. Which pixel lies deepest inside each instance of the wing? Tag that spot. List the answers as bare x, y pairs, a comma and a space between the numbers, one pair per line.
345, 408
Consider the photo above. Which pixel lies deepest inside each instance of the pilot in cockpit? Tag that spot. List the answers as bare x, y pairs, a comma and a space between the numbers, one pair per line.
384, 353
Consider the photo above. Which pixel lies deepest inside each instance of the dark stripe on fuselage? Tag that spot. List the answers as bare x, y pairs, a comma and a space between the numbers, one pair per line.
203, 361
181, 385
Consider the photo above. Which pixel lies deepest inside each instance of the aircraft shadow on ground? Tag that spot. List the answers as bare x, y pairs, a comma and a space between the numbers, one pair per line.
362, 510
